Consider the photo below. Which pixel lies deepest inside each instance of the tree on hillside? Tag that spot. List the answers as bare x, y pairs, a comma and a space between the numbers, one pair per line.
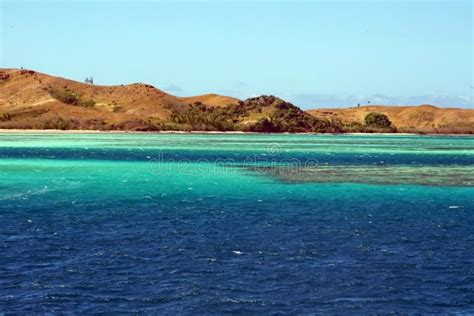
264, 126
379, 120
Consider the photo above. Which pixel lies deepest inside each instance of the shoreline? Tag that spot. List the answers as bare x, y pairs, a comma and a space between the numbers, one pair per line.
56, 131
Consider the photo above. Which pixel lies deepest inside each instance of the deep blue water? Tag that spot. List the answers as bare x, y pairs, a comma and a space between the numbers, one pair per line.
94, 227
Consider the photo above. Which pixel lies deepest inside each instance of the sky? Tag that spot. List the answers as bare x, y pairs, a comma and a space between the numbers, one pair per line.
312, 53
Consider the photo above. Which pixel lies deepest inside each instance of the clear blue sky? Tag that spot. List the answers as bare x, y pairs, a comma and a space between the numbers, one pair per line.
315, 54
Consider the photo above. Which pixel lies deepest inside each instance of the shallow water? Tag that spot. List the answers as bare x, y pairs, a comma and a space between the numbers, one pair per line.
236, 223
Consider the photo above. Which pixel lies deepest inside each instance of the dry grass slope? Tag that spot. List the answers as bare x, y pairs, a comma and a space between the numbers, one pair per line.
30, 99
33, 100
416, 119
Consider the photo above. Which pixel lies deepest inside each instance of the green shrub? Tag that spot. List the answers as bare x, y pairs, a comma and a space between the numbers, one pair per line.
378, 120
264, 126
64, 95
62, 124
87, 103
118, 109
353, 127
68, 96
5, 117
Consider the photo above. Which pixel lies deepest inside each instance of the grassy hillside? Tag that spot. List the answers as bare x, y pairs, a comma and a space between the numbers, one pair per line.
261, 114
32, 100
29, 99
413, 119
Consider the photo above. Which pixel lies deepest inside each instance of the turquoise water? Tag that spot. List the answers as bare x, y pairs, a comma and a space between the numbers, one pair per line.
194, 223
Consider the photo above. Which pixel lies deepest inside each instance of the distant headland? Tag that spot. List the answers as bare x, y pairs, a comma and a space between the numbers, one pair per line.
33, 100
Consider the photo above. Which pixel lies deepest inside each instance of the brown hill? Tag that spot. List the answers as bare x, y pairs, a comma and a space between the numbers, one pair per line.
210, 100
265, 113
421, 119
30, 99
